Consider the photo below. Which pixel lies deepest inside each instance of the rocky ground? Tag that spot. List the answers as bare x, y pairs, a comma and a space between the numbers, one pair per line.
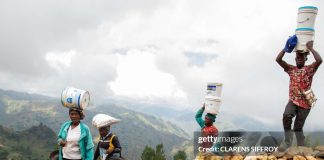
293, 153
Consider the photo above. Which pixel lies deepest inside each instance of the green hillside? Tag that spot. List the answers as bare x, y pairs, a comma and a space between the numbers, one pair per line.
20, 111
33, 144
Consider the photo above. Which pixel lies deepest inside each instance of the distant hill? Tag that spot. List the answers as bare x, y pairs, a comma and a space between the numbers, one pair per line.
34, 143
184, 117
20, 111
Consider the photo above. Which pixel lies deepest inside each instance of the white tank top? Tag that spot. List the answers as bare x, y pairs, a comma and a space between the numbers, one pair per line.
72, 149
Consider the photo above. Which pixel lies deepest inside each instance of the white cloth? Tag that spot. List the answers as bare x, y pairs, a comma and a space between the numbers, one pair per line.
72, 149
102, 120
103, 151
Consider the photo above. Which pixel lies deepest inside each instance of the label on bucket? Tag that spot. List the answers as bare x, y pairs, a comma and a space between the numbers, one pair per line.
214, 89
211, 88
69, 100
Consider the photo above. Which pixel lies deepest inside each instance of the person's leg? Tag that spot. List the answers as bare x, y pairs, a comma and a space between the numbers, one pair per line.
299, 124
289, 114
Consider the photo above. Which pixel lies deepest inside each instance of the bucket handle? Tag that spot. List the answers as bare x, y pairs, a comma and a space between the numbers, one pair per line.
307, 19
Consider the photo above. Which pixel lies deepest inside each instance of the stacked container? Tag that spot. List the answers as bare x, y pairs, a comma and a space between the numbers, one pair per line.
305, 26
213, 97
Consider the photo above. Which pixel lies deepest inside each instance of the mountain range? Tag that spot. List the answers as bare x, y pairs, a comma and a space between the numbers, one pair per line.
34, 143
22, 111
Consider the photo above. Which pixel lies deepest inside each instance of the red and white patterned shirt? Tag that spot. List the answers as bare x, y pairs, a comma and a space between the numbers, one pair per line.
209, 131
300, 81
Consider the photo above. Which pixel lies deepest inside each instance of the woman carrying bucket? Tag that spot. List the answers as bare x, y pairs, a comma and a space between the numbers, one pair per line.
207, 127
75, 139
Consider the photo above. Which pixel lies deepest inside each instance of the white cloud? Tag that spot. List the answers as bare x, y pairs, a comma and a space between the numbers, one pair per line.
242, 38
60, 60
139, 77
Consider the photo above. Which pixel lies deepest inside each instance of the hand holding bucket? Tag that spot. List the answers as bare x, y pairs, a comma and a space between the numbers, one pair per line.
212, 105
304, 35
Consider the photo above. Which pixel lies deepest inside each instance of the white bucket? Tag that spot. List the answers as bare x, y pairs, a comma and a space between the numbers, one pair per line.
304, 35
214, 89
75, 98
306, 17
212, 104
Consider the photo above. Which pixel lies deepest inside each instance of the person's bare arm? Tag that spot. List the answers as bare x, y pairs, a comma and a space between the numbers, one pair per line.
281, 62
317, 57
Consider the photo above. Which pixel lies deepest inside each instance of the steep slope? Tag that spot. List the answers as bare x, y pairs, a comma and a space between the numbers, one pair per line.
34, 143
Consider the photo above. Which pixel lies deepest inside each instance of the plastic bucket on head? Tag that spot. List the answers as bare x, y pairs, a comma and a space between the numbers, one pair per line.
306, 17
212, 104
214, 89
75, 98
304, 35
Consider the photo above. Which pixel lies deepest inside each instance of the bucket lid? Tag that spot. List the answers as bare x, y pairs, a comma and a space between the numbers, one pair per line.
212, 98
215, 83
308, 7
305, 29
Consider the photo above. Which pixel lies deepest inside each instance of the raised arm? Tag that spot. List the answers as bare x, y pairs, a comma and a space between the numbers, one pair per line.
317, 57
281, 62
199, 118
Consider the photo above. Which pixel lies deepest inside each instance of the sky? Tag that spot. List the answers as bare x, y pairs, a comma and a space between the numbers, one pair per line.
157, 51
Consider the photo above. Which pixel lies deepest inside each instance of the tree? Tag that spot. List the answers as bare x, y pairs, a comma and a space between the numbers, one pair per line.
180, 155
151, 154
159, 154
148, 153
